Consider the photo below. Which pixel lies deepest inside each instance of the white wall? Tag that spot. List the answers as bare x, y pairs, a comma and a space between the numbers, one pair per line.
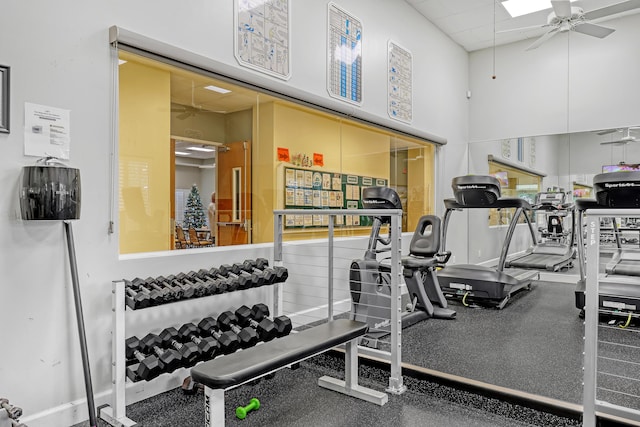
60, 57
571, 83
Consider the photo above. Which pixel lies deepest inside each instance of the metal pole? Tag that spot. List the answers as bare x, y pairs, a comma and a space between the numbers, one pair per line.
396, 385
330, 266
591, 321
80, 322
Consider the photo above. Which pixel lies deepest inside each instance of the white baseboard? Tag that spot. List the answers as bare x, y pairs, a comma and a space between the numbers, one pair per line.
76, 412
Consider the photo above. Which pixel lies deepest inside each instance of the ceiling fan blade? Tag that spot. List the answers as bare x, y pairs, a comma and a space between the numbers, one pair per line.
562, 8
619, 142
612, 9
593, 30
546, 36
607, 131
532, 27
183, 115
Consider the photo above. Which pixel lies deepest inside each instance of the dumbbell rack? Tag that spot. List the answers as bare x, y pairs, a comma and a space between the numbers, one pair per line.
115, 413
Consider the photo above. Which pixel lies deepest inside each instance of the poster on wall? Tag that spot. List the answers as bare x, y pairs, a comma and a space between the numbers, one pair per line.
46, 131
399, 83
308, 189
344, 73
262, 36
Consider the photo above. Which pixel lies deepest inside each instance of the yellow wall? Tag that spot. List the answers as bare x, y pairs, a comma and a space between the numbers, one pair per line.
346, 147
144, 159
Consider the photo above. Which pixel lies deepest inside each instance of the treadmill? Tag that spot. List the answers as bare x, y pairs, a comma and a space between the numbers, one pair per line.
552, 254
619, 285
491, 286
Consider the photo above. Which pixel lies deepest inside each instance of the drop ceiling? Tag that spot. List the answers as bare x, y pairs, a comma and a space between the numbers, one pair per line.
470, 23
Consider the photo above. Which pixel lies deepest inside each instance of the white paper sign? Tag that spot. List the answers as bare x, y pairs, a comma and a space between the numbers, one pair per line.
46, 131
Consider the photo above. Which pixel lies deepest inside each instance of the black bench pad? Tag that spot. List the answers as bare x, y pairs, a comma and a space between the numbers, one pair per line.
236, 368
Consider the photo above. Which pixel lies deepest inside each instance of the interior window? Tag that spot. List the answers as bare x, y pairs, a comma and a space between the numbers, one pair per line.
204, 162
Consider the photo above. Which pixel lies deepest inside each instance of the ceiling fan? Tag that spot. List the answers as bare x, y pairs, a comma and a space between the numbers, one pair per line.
186, 111
565, 17
626, 138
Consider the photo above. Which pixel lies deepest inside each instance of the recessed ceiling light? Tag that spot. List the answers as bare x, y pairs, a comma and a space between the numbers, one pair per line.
217, 89
206, 150
524, 7
182, 153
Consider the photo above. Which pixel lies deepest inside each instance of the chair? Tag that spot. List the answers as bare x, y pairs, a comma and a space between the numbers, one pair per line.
181, 240
195, 241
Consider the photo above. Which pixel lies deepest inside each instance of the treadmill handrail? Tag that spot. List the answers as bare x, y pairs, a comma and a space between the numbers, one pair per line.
521, 206
502, 202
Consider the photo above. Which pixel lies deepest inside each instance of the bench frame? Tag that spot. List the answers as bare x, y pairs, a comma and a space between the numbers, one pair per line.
214, 401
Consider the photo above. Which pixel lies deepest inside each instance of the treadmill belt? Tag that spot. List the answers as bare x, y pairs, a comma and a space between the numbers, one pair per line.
627, 268
542, 261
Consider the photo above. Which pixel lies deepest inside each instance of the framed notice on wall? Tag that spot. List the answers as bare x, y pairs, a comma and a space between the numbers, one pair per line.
312, 189
399, 89
262, 37
4, 99
344, 73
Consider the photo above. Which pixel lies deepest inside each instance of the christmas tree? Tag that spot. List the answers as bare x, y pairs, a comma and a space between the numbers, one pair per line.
194, 215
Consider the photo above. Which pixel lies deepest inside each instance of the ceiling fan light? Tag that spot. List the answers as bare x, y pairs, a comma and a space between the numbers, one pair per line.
517, 8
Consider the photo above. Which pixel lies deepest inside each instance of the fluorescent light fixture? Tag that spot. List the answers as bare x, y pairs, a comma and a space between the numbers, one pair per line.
203, 149
182, 153
524, 7
217, 89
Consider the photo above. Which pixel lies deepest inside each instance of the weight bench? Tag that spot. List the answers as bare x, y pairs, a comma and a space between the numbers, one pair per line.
232, 370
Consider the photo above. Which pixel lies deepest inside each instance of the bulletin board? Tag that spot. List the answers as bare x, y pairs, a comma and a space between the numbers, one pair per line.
313, 189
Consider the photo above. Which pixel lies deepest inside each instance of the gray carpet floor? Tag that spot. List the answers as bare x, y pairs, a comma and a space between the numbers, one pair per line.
292, 398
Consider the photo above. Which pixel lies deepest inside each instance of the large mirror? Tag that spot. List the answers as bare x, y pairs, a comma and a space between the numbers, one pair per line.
533, 345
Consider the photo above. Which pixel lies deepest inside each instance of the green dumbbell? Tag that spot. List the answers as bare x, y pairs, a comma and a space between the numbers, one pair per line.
242, 411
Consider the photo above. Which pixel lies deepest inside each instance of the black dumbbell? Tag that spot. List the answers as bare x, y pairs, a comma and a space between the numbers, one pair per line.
276, 274
175, 291
229, 341
208, 347
148, 366
238, 269
188, 351
168, 294
234, 282
200, 289
261, 268
229, 322
216, 286
187, 291
169, 359
228, 284
265, 328
282, 323
136, 299
13, 412
155, 297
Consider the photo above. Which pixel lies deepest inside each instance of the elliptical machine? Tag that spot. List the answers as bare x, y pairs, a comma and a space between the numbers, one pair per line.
370, 278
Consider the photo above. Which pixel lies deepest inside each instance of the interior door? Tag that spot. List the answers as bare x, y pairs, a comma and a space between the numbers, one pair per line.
233, 208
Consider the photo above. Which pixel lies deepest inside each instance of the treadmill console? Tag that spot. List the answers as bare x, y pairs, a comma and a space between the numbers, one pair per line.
553, 199
617, 189
380, 198
476, 190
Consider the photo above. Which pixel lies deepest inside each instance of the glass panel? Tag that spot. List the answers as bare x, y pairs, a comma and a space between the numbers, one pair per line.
197, 152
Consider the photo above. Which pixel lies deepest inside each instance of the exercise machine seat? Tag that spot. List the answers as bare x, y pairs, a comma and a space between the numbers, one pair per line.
425, 243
